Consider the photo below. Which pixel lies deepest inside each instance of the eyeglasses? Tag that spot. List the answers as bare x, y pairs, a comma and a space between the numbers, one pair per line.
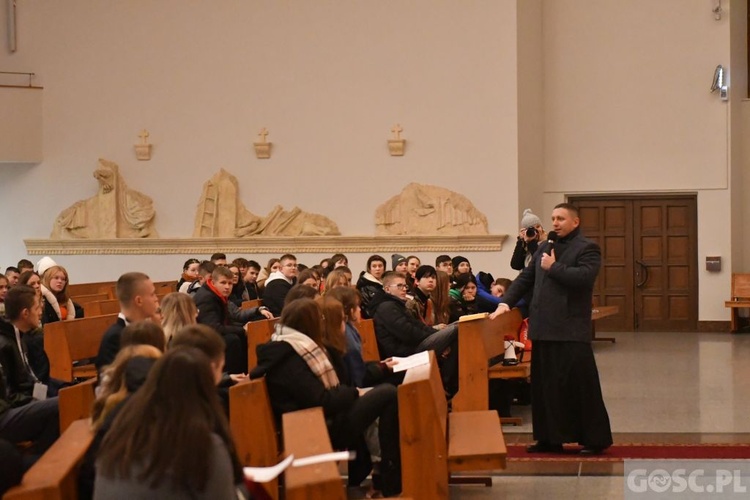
400, 286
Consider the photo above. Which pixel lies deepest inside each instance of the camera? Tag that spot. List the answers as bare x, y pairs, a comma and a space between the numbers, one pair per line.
530, 232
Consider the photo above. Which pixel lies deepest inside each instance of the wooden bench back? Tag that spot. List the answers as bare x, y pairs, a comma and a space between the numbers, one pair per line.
249, 304
370, 351
54, 475
69, 341
165, 287
478, 342
78, 289
75, 402
305, 434
258, 332
253, 427
85, 300
423, 420
740, 286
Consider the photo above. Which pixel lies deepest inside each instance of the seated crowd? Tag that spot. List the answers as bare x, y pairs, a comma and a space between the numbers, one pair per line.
169, 361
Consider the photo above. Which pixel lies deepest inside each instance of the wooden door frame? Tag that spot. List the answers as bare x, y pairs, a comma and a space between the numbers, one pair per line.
688, 195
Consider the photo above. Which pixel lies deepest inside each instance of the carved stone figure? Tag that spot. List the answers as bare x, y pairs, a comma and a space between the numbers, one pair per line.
221, 214
429, 210
114, 212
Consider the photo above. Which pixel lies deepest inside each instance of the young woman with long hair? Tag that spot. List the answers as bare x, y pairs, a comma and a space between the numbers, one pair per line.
185, 451
303, 369
178, 311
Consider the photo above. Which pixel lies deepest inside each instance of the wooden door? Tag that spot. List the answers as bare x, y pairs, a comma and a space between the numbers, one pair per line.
649, 260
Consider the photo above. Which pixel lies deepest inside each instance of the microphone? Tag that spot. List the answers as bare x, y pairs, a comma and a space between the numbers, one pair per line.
551, 239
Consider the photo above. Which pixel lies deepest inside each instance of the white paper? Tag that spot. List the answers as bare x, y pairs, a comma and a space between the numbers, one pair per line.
418, 359
265, 474
325, 457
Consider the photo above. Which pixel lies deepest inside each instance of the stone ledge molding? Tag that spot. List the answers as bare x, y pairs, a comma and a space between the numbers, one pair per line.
265, 245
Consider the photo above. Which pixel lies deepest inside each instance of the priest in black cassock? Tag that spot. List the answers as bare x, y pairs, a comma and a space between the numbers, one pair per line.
566, 397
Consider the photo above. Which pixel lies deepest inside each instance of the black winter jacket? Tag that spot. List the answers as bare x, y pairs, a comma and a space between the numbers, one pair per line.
293, 386
16, 383
398, 332
368, 289
213, 311
561, 305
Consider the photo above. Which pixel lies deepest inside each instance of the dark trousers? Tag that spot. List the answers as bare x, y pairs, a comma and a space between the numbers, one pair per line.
566, 397
235, 354
381, 402
440, 341
37, 421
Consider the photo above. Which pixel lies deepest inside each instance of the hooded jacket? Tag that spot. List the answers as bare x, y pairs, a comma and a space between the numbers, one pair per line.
52, 311
368, 285
397, 331
274, 293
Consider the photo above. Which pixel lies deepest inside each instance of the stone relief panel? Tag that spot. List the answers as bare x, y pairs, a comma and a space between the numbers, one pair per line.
221, 214
422, 209
116, 211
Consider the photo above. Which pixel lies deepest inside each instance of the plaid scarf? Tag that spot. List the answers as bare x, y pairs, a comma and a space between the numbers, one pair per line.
314, 356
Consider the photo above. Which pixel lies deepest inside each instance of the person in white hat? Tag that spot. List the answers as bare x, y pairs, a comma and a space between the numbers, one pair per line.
531, 233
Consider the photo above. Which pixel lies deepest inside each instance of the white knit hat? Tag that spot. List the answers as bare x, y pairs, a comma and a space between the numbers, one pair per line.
529, 219
44, 264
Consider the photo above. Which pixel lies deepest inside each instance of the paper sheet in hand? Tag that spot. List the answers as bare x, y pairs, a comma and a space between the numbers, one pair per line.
324, 457
265, 474
420, 358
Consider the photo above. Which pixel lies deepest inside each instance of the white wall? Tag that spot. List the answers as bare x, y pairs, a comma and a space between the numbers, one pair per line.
627, 109
328, 78
623, 106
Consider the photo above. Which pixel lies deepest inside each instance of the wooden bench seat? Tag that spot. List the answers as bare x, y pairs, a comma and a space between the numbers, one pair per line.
305, 434
366, 329
253, 428
55, 475
66, 342
478, 342
249, 304
105, 287
258, 332
76, 402
740, 299
434, 444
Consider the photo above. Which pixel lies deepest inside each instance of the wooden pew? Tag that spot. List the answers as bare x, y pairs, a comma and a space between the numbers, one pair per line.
165, 287
249, 304
740, 299
54, 475
78, 289
258, 332
75, 340
478, 342
366, 329
75, 402
305, 434
253, 428
434, 443
85, 300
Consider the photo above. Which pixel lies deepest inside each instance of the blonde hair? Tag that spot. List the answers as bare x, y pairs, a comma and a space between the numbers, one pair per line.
178, 311
113, 387
334, 278
61, 296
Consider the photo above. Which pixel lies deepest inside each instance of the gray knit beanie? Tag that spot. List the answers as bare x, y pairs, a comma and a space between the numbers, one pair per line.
529, 219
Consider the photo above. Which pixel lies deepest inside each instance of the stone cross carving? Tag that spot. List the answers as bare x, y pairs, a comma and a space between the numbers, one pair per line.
263, 134
397, 132
144, 136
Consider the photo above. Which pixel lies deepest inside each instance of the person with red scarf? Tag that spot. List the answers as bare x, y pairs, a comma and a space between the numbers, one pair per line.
213, 310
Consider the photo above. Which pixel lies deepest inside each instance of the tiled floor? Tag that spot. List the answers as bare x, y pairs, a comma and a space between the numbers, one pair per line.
658, 387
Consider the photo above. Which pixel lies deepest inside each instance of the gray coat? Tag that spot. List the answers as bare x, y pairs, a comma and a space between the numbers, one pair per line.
561, 305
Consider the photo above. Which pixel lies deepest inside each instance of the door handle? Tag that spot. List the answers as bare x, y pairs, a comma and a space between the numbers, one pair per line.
645, 274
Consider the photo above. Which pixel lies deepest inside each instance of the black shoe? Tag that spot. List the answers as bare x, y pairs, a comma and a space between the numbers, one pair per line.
543, 447
591, 450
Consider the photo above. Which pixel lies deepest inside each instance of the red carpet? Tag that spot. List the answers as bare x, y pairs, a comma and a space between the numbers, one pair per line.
619, 452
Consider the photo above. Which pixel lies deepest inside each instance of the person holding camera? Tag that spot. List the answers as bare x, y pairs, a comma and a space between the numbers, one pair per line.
529, 237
